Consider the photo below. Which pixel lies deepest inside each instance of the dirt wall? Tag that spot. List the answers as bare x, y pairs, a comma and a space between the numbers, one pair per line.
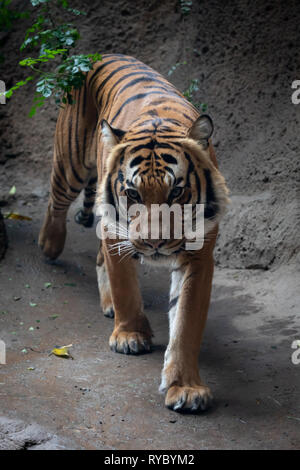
245, 55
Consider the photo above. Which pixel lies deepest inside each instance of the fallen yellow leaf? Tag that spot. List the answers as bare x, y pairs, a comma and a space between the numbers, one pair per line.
13, 215
62, 352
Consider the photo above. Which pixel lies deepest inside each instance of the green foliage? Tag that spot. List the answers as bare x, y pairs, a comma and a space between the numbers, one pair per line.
186, 6
175, 67
189, 94
45, 57
51, 39
68, 75
192, 88
17, 86
62, 36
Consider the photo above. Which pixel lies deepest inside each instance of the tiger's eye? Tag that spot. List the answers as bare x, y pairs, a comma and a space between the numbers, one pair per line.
132, 194
176, 192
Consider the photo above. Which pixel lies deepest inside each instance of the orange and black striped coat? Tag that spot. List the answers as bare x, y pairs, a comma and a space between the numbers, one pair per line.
131, 133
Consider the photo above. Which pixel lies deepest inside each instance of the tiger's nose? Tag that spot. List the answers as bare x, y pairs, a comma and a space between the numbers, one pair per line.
155, 244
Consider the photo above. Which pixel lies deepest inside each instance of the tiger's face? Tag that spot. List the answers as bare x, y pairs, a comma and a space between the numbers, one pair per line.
167, 173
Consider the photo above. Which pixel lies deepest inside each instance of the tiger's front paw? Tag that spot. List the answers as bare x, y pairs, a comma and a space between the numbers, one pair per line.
186, 398
125, 342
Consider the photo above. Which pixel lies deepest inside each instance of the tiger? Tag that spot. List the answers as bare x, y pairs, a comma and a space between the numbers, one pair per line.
131, 133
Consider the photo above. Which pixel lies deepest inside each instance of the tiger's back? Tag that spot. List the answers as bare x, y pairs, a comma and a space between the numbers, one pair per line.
129, 95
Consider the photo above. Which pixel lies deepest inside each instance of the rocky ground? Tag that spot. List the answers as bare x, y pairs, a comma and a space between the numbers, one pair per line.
245, 56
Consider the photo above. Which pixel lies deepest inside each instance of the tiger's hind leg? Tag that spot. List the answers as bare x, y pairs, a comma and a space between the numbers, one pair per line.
104, 286
85, 215
74, 168
53, 232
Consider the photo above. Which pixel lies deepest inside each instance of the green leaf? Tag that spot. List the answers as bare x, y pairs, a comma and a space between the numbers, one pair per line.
38, 102
12, 191
9, 92
54, 40
36, 3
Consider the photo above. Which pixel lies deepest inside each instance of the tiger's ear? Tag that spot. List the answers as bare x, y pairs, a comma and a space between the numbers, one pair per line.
202, 129
110, 135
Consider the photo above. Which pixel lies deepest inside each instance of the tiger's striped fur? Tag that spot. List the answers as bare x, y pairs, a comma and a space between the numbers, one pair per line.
131, 130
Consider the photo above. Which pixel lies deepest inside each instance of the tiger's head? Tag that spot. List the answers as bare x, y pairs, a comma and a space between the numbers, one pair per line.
160, 166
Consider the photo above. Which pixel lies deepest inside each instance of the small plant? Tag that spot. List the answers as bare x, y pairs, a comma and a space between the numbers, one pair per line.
186, 6
175, 67
192, 88
53, 67
189, 94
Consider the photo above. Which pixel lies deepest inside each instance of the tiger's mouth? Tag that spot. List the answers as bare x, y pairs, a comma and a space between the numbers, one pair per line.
157, 255
154, 259
153, 256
